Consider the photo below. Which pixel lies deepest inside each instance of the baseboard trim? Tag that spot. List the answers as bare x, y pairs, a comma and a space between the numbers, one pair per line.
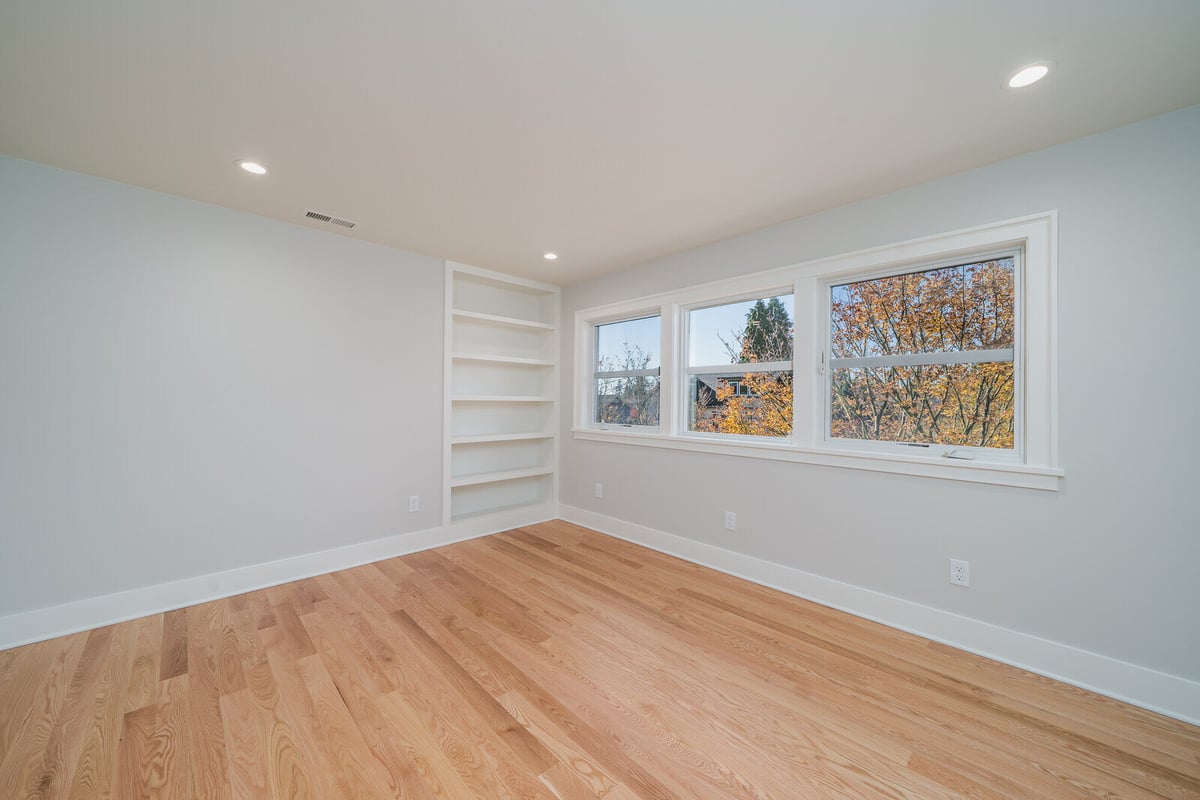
38, 624
1156, 691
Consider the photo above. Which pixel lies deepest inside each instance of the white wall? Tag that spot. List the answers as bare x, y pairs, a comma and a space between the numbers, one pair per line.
186, 389
1108, 564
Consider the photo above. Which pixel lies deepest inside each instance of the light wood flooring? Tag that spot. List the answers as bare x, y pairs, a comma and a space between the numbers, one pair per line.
553, 662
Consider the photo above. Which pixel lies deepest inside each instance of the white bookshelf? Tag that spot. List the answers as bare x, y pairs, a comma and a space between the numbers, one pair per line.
501, 446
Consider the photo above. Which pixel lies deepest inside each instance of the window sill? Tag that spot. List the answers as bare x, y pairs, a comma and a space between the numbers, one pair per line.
1019, 475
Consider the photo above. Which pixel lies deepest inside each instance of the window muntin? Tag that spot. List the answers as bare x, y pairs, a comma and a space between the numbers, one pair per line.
739, 368
625, 375
927, 357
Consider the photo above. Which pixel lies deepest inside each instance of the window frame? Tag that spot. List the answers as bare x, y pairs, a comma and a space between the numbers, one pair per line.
1034, 463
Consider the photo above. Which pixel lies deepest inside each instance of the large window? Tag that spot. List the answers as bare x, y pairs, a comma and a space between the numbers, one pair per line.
740, 367
926, 358
626, 375
933, 357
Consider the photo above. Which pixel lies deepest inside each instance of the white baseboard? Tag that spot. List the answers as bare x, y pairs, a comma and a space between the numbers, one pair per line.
80, 615
1157, 691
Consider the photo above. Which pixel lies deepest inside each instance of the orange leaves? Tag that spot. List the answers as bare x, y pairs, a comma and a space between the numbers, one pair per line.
958, 404
965, 307
960, 308
759, 404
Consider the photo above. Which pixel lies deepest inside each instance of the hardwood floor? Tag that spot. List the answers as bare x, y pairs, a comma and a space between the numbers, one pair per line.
549, 662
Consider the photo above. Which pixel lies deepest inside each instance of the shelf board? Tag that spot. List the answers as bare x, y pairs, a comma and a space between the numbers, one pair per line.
499, 398
530, 362
507, 322
483, 512
498, 437
508, 283
496, 477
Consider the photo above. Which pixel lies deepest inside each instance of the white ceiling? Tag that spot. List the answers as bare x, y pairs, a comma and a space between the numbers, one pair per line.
611, 131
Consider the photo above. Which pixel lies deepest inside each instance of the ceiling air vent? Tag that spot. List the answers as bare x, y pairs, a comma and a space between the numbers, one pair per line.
319, 217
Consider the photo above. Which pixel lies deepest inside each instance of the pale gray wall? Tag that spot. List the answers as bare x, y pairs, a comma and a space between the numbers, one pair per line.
186, 389
1108, 563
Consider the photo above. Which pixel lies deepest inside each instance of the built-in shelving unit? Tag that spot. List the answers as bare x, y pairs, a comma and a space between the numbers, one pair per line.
502, 384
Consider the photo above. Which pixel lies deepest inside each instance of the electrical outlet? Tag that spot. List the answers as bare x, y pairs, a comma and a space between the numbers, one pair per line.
730, 521
414, 503
960, 572
599, 489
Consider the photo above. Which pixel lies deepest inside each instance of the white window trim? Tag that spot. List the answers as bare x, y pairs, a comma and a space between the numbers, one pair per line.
1037, 345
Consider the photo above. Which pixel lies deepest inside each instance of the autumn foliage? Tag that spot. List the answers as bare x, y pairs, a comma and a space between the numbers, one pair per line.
952, 309
948, 310
764, 406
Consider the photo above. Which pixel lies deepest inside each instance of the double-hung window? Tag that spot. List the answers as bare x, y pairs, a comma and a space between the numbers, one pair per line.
927, 358
625, 377
739, 370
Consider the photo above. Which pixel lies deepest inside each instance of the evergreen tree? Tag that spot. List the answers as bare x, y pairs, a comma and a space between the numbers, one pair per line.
768, 334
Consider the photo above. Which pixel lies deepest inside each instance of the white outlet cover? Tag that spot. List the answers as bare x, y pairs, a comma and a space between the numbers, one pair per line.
960, 572
414, 503
599, 489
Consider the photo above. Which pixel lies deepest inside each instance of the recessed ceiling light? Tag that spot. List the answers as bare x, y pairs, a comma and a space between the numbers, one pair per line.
1028, 75
550, 256
253, 167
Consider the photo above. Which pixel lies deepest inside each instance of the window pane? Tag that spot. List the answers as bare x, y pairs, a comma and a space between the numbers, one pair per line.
752, 330
627, 401
628, 345
954, 404
964, 307
752, 404
734, 400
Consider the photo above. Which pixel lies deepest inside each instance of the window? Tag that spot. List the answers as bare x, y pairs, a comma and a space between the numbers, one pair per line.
926, 358
740, 367
934, 357
626, 373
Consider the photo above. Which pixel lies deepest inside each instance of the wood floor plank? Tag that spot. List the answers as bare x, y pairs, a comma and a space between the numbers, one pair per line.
145, 674
576, 773
472, 723
335, 747
553, 662
48, 770
26, 753
19, 705
532, 753
288, 766
141, 767
173, 658
247, 750
174, 739
96, 769
206, 729
20, 672
336, 673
